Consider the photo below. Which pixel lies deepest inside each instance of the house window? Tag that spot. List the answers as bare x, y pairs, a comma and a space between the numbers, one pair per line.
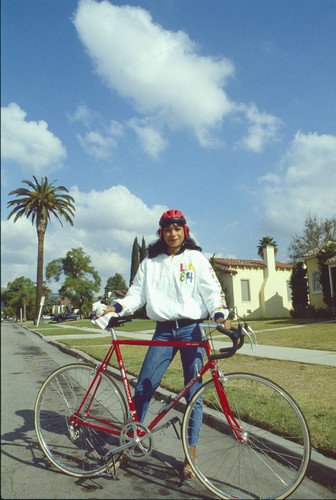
289, 292
316, 283
245, 290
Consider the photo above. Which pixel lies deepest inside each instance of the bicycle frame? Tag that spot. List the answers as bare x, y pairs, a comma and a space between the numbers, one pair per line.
115, 347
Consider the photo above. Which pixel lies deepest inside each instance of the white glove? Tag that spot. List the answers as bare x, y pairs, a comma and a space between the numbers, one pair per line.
101, 308
103, 321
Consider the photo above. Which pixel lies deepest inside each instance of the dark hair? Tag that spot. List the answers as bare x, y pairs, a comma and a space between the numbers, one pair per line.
159, 246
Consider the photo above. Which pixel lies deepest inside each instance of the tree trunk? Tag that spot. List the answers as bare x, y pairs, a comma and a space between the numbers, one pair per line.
41, 229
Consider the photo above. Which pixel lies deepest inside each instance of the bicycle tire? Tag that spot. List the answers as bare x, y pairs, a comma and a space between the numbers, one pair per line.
272, 461
80, 451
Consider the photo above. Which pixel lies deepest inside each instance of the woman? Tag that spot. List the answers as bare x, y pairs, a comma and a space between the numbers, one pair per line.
180, 290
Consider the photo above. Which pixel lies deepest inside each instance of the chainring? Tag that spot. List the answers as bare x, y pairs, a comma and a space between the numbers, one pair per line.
142, 445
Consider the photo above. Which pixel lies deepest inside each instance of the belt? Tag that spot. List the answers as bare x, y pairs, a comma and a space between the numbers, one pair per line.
177, 323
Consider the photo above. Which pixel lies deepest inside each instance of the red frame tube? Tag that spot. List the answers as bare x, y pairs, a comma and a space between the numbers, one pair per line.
210, 365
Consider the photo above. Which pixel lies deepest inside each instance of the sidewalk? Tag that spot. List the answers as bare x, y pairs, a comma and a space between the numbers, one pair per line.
310, 356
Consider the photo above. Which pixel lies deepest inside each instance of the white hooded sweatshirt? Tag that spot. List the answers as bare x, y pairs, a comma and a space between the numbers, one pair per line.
175, 287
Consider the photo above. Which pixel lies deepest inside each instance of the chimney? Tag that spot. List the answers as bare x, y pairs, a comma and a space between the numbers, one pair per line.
269, 259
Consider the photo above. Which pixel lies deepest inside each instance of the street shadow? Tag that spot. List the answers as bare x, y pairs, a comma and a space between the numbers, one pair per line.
163, 474
160, 471
13, 443
20, 432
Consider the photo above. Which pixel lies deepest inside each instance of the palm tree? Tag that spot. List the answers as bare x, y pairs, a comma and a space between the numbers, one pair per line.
267, 240
38, 203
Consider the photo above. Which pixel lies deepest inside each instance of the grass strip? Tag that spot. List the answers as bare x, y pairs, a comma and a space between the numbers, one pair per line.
317, 336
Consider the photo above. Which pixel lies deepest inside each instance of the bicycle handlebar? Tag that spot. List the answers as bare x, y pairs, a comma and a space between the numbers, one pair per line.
235, 334
237, 337
118, 320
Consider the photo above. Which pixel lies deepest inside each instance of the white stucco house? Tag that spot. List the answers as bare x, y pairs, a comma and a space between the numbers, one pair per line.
258, 288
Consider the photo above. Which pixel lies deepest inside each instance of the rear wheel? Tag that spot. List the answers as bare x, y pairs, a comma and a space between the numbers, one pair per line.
271, 461
77, 449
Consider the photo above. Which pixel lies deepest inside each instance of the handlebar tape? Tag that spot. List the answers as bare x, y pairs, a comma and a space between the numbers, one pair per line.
237, 337
118, 320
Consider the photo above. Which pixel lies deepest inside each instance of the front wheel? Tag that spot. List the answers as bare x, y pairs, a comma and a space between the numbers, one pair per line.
78, 449
272, 458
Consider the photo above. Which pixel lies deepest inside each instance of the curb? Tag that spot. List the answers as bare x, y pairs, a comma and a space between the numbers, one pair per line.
321, 469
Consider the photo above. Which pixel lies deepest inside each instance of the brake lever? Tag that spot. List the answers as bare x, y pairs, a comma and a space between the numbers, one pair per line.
248, 332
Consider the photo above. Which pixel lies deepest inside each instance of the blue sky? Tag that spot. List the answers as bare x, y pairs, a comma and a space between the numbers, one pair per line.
224, 109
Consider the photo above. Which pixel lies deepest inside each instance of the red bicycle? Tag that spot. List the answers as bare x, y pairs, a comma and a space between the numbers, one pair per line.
254, 440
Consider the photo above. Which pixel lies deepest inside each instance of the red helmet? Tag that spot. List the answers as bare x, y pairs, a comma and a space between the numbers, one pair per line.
171, 217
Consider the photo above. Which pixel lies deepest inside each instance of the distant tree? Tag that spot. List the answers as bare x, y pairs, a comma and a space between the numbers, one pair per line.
264, 242
142, 250
328, 251
81, 279
20, 294
116, 282
37, 203
134, 260
315, 233
299, 284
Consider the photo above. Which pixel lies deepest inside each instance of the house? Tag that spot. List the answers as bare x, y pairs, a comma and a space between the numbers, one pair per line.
313, 274
61, 307
257, 288
117, 294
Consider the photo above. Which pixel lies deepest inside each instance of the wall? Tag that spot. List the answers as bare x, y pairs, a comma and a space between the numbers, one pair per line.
268, 289
275, 303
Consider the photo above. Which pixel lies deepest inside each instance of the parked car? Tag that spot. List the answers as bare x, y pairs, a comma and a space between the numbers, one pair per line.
59, 318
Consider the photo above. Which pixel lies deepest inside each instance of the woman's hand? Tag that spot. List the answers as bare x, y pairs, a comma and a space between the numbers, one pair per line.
110, 309
103, 309
226, 322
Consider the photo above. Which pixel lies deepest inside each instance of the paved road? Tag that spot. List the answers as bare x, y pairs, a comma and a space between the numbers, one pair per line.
26, 360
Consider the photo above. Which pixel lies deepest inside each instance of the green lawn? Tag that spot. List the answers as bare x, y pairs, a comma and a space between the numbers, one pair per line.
308, 336
286, 333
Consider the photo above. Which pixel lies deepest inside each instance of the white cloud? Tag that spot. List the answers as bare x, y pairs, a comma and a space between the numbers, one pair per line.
158, 70
306, 183
102, 139
150, 137
105, 225
82, 114
263, 128
115, 208
28, 143
116, 128
163, 76
97, 145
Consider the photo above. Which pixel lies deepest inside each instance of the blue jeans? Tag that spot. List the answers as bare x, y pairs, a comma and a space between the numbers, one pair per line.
156, 362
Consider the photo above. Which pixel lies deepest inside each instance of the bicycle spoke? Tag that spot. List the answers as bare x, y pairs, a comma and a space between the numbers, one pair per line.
268, 463
75, 448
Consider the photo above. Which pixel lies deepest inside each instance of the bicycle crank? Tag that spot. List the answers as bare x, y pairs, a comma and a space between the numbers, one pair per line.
139, 439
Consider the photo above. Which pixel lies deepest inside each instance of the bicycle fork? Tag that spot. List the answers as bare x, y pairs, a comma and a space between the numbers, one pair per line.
218, 378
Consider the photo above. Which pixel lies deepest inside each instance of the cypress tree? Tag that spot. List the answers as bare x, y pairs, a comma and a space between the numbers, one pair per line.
135, 260
142, 250
328, 251
299, 285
